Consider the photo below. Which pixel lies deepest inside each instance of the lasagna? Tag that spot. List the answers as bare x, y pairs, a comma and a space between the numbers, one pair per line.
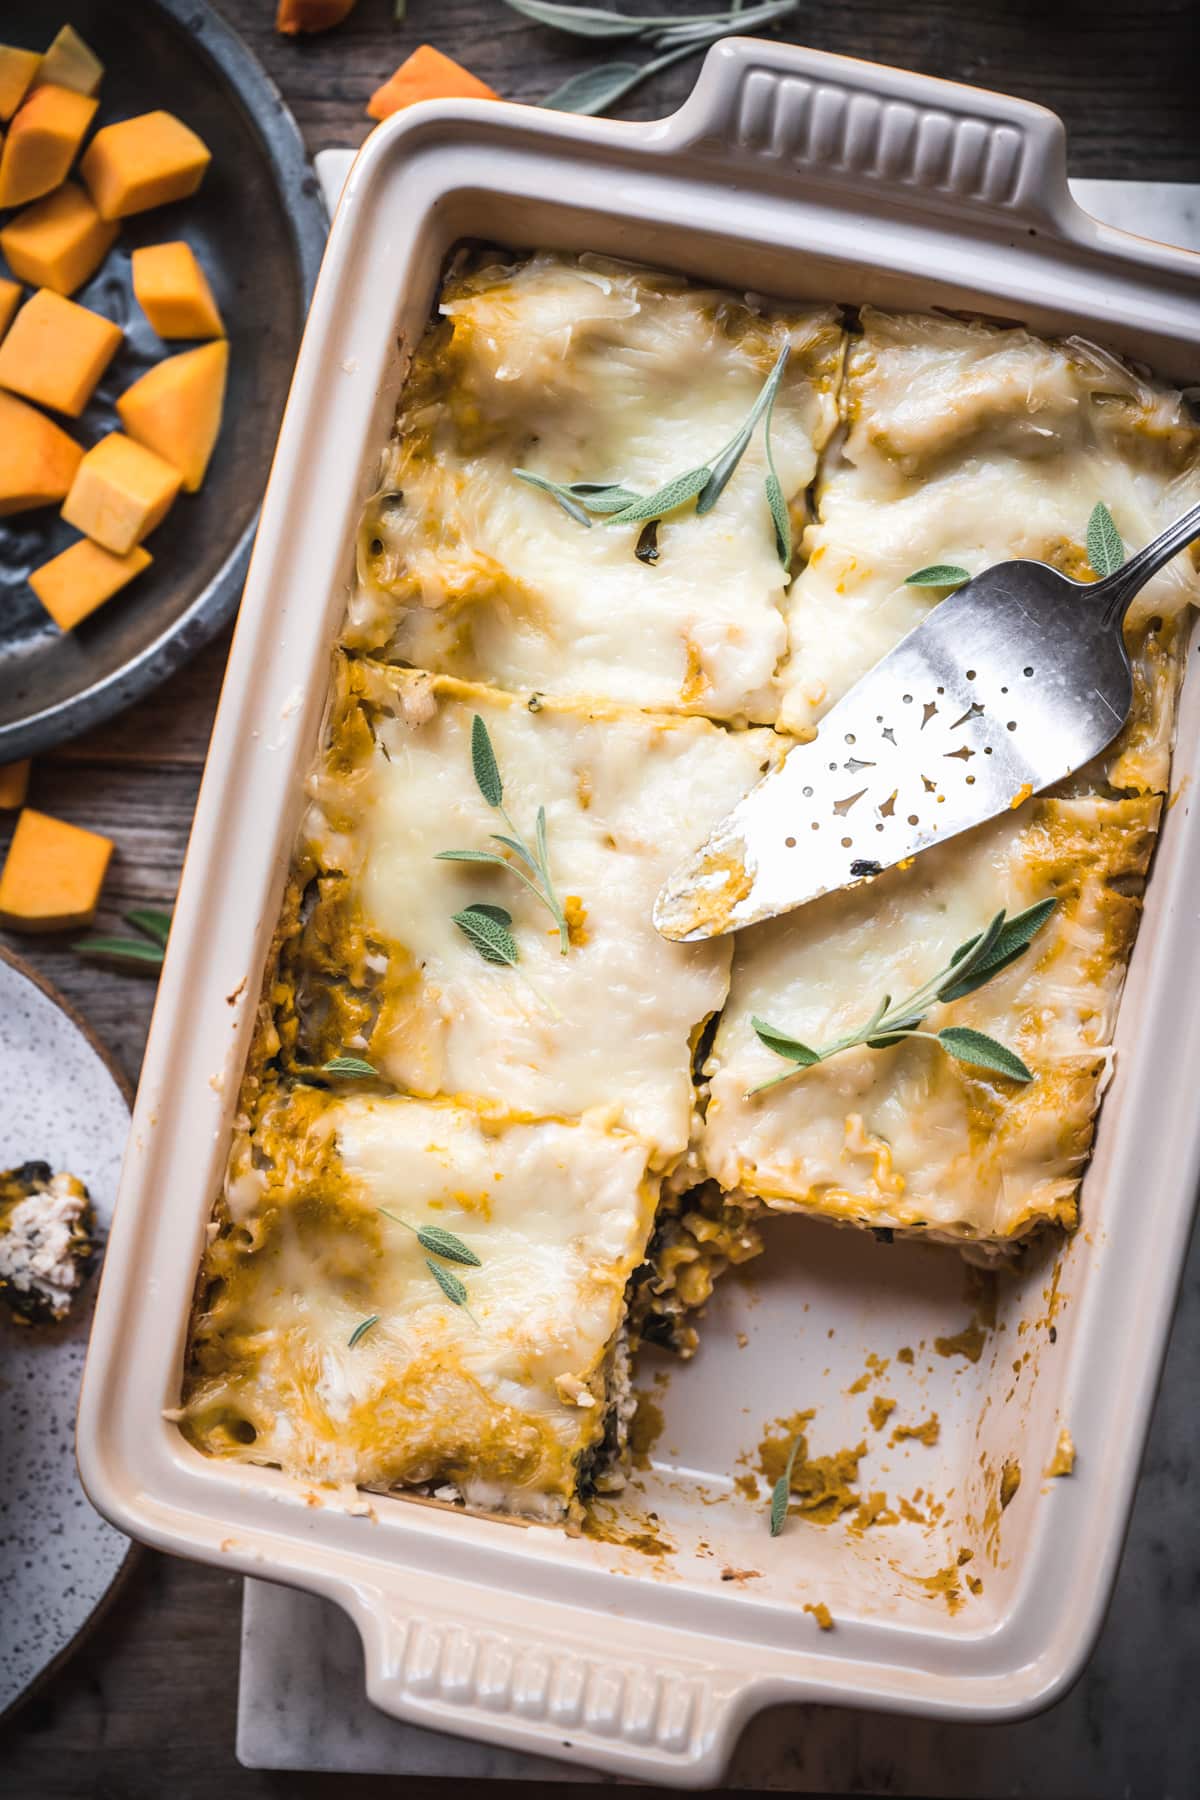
632, 537
46, 1226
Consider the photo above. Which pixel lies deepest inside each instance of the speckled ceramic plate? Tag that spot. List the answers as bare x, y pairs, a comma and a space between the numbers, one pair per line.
62, 1102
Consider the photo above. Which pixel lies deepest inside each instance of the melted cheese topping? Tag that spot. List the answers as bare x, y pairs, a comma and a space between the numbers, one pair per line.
583, 369
611, 1023
500, 1398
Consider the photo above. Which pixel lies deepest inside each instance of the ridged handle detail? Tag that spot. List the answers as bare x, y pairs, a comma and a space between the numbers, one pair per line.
806, 111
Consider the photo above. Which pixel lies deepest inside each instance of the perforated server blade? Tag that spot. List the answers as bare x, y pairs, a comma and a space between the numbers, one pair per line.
1010, 684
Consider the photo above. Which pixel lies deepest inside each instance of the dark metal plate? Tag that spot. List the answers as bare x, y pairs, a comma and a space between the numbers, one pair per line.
258, 226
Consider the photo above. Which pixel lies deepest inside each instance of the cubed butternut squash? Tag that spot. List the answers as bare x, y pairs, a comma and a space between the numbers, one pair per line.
55, 352
175, 408
58, 242
427, 75
121, 491
82, 577
14, 784
10, 299
173, 292
41, 143
70, 63
37, 459
52, 874
143, 162
17, 70
294, 16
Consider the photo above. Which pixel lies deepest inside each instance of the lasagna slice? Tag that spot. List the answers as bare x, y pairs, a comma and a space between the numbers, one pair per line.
341, 1332
967, 444
579, 369
906, 1138
964, 444
378, 964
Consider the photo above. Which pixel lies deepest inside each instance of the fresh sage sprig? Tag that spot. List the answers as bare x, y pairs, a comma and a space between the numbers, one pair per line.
972, 964
1106, 552
438, 1241
781, 1493
488, 926
704, 484
360, 1330
659, 29
145, 952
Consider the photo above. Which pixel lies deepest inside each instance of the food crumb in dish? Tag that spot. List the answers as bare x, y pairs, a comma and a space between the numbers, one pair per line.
1063, 1460
880, 1411
821, 1614
926, 1432
1010, 1481
905, 1354
741, 1574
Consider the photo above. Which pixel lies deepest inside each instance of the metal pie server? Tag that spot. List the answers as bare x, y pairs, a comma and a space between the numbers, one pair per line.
1009, 685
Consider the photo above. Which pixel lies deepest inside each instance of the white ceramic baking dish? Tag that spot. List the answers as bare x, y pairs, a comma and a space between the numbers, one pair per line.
804, 175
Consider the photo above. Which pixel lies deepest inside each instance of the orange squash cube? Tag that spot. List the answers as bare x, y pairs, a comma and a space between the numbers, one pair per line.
121, 491
175, 408
427, 75
70, 63
17, 70
56, 351
41, 143
173, 292
295, 16
143, 162
58, 242
74, 583
37, 459
10, 299
14, 784
52, 875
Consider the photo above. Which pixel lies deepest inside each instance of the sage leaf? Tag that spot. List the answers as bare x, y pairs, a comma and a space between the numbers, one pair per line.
360, 1330
518, 849
595, 90
155, 923
444, 1243
135, 952
646, 549
557, 492
976, 1047
474, 856
448, 1281
483, 761
783, 1045
1106, 552
349, 1065
501, 914
781, 1493
729, 458
938, 575
585, 21
665, 499
494, 941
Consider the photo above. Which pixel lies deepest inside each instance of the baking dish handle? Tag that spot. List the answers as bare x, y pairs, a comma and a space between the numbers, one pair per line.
549, 1693
832, 122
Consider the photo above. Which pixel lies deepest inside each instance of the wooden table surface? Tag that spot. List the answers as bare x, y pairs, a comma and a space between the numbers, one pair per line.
146, 1707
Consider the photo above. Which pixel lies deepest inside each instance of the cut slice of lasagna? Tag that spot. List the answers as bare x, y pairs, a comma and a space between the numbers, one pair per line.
583, 369
968, 445
341, 1333
379, 964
